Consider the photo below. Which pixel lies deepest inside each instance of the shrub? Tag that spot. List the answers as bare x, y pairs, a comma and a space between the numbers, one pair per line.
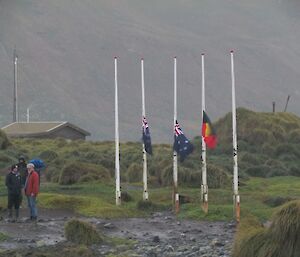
294, 136
147, 206
126, 197
48, 155
259, 171
4, 142
249, 158
135, 172
294, 171
52, 174
284, 149
277, 201
81, 232
5, 160
216, 177
268, 149
167, 176
258, 136
72, 172
88, 178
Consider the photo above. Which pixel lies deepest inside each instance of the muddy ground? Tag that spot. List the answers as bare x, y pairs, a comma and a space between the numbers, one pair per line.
161, 234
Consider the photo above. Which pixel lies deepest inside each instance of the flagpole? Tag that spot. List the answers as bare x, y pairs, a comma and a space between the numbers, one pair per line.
175, 160
236, 197
204, 187
117, 141
145, 192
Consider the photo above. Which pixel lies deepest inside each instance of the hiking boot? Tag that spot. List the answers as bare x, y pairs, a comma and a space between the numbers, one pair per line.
9, 213
17, 213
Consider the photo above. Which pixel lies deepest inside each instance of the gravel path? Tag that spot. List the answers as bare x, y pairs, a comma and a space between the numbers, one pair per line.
160, 235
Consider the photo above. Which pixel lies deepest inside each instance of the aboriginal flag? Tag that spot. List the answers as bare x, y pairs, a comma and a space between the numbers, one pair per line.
208, 133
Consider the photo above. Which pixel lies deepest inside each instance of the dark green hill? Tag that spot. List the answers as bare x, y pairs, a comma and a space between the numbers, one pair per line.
260, 128
268, 143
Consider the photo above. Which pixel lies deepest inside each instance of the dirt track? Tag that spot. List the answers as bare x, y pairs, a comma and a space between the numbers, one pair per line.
159, 235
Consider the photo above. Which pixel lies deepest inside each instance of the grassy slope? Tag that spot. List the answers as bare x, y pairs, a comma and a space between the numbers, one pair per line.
98, 199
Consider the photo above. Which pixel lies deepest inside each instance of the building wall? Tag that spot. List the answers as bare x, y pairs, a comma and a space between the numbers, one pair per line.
68, 133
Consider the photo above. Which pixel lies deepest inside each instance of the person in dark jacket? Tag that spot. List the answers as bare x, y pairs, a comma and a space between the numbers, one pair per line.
22, 169
14, 186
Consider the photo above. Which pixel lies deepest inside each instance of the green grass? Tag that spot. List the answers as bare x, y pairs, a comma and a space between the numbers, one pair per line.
97, 199
3, 237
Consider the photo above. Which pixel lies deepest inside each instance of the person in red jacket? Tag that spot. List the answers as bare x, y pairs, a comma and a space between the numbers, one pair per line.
31, 190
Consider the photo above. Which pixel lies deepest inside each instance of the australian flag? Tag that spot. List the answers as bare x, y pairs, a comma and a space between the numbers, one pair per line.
146, 136
182, 145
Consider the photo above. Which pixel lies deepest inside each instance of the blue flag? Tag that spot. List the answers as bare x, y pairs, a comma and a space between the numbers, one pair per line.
182, 145
146, 136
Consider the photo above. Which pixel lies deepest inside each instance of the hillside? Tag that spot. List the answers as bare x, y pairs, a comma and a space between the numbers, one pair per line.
66, 51
268, 146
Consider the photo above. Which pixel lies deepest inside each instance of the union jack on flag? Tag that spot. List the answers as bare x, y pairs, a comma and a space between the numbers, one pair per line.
181, 144
146, 136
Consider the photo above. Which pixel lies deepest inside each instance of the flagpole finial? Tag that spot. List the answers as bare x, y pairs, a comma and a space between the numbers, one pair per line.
116, 57
142, 59
231, 51
175, 57
202, 54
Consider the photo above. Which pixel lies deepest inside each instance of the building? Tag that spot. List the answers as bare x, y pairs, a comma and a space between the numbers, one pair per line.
55, 129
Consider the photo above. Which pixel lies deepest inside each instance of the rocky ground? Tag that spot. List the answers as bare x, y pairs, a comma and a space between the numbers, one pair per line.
161, 234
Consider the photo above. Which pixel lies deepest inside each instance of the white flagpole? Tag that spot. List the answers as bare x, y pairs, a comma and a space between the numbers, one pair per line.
145, 192
117, 141
27, 115
204, 187
175, 161
236, 197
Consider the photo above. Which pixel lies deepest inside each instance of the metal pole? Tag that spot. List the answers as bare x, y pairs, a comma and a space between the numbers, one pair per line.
204, 187
117, 154
27, 115
145, 192
287, 101
15, 111
175, 161
236, 197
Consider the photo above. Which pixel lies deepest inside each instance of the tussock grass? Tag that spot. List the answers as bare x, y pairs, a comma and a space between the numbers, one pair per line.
280, 239
83, 172
4, 142
3, 237
81, 232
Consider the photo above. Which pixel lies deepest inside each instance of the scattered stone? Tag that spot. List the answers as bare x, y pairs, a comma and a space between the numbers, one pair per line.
109, 225
169, 248
156, 239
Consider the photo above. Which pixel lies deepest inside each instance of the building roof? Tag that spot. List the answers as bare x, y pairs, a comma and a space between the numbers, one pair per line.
39, 128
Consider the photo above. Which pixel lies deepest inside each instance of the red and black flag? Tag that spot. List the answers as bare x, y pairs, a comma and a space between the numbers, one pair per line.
208, 133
